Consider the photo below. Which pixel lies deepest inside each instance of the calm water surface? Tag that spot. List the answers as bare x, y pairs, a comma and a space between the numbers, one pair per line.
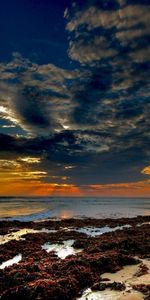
39, 208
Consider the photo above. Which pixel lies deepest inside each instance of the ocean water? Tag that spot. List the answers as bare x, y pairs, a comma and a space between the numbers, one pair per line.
27, 209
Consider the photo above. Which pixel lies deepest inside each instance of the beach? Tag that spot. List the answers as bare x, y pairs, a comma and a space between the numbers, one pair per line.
86, 258
74, 150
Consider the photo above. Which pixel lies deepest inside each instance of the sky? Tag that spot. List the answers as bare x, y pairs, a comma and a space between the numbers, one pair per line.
74, 98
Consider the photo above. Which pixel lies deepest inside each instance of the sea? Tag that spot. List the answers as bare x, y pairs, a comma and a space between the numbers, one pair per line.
39, 208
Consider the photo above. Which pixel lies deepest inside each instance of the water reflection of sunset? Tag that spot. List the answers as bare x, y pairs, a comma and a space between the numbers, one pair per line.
12, 211
66, 214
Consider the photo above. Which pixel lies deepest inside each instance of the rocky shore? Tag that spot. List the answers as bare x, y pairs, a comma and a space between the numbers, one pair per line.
60, 259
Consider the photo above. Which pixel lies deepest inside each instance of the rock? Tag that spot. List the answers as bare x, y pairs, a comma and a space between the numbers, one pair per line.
41, 275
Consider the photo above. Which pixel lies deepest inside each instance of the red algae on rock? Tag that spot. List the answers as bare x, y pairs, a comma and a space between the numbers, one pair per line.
42, 275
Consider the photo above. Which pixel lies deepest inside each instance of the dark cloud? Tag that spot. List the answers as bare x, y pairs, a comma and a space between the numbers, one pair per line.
111, 43
48, 145
94, 119
37, 97
86, 165
89, 93
32, 107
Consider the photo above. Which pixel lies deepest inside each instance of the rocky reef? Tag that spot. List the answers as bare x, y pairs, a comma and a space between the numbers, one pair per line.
44, 275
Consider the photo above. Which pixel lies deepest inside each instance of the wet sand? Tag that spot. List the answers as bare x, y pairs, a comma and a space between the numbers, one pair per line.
105, 259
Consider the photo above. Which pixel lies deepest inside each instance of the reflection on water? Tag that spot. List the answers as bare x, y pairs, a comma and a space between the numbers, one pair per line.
8, 211
96, 231
62, 250
11, 262
17, 235
65, 214
37, 208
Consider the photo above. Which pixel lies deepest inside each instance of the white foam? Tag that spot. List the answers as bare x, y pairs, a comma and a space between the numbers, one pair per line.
11, 262
62, 250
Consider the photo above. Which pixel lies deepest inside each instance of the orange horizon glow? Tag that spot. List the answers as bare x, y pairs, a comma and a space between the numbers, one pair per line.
19, 178
37, 188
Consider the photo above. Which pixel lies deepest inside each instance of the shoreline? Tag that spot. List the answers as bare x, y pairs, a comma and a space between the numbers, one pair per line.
42, 274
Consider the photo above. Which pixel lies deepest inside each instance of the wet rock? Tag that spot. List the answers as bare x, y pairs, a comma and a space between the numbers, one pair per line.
41, 275
145, 289
101, 286
143, 269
